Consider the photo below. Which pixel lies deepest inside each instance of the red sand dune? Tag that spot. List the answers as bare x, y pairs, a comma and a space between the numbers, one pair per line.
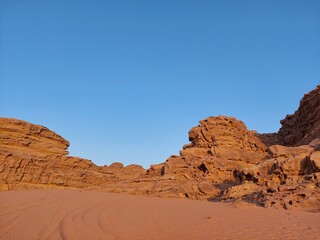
79, 214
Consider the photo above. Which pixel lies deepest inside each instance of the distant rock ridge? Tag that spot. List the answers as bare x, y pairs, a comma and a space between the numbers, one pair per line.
302, 127
224, 162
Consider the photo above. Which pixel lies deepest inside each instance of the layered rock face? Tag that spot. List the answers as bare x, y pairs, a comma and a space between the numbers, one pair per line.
302, 127
22, 137
224, 162
33, 157
225, 138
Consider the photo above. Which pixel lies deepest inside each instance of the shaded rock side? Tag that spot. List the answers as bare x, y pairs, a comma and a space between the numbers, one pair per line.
288, 180
302, 127
290, 177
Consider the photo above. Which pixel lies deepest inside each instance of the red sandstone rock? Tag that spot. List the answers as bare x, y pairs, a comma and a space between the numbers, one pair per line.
303, 126
20, 136
33, 157
226, 138
287, 180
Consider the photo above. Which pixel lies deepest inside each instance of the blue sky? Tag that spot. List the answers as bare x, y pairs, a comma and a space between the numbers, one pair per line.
126, 80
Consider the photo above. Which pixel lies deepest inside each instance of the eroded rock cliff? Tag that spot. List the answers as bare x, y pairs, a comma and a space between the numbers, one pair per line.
34, 157
301, 127
291, 176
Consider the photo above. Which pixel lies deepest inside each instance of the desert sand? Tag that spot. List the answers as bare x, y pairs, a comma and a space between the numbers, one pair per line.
83, 214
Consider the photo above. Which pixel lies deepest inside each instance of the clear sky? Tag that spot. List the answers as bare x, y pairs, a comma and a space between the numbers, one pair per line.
126, 80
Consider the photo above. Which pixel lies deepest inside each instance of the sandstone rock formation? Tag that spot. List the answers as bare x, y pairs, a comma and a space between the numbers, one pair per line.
224, 162
290, 177
32, 157
220, 147
302, 127
22, 137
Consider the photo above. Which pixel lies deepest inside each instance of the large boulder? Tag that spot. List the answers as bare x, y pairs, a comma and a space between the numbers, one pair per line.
226, 138
220, 147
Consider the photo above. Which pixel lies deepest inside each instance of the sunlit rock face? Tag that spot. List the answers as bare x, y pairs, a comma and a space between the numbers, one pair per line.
34, 157
220, 148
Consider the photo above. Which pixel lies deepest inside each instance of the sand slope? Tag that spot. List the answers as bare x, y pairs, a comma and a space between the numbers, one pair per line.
76, 214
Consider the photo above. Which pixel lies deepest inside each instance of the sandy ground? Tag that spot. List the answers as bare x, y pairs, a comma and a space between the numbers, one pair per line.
76, 214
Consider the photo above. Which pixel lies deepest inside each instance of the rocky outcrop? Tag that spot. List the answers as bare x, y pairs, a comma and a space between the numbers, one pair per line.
22, 137
223, 162
34, 157
225, 138
220, 147
290, 178
303, 126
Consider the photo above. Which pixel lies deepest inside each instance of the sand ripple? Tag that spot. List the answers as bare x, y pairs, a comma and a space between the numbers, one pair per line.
76, 214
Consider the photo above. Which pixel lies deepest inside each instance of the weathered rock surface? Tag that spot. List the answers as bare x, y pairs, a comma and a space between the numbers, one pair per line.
220, 147
291, 176
32, 157
289, 179
225, 138
23, 137
224, 162
303, 126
